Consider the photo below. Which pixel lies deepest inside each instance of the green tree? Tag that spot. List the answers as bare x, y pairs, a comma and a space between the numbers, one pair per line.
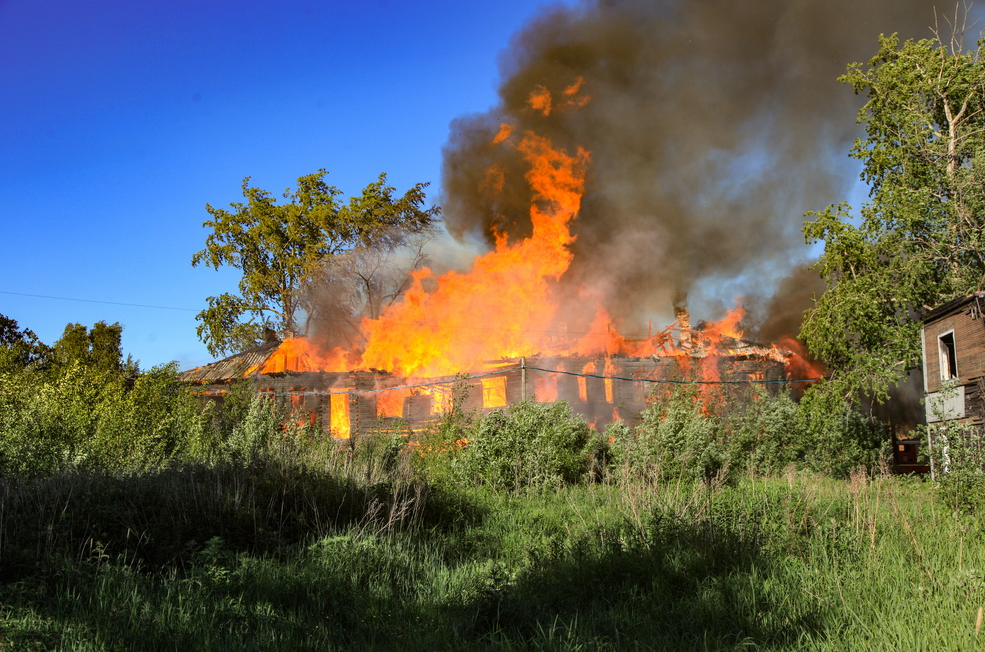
99, 348
20, 348
280, 248
919, 240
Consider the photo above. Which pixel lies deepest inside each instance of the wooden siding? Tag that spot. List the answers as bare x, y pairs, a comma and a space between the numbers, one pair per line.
966, 322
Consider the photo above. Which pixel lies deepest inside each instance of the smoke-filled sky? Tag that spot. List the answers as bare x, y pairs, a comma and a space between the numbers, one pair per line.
712, 125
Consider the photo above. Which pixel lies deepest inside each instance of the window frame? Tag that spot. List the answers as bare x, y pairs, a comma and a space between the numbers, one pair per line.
947, 356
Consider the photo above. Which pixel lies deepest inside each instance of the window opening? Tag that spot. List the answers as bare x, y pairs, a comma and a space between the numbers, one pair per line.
948, 357
494, 392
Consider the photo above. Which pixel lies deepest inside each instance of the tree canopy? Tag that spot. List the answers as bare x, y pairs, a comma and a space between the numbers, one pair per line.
99, 347
281, 249
19, 347
919, 240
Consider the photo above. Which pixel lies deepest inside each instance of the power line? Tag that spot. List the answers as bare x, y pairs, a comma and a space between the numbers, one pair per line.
656, 381
111, 303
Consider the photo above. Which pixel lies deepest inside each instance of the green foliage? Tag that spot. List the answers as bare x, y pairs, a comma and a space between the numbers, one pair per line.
279, 248
762, 433
99, 348
920, 239
82, 417
21, 348
437, 451
529, 445
958, 456
46, 420
837, 439
146, 425
693, 433
674, 439
252, 435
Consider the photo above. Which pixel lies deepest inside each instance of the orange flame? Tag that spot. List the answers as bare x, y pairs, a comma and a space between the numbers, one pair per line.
540, 100
298, 354
339, 415
800, 365
502, 306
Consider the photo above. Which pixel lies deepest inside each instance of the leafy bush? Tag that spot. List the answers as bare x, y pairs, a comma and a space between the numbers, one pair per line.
530, 445
147, 425
252, 435
959, 458
762, 432
695, 433
48, 420
675, 438
436, 451
80, 417
837, 438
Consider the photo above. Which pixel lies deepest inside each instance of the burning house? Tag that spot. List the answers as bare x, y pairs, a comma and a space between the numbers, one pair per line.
515, 326
602, 388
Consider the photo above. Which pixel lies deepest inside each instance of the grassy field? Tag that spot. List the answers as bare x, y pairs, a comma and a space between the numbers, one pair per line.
281, 553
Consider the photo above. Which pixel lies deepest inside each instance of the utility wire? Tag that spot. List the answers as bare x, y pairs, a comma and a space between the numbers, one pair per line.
550, 371
111, 303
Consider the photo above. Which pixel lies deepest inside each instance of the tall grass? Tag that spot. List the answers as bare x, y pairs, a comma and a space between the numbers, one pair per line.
254, 558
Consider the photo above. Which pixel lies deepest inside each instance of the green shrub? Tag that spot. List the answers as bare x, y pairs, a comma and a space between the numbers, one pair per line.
762, 432
676, 438
837, 438
530, 445
78, 417
48, 420
148, 425
958, 456
698, 432
252, 435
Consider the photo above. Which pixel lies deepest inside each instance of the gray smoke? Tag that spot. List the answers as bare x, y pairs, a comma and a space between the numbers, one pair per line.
713, 125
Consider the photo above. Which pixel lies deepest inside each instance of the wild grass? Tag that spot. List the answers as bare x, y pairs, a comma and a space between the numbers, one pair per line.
285, 553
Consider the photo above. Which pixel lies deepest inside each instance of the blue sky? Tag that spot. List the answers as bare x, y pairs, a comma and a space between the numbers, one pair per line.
120, 120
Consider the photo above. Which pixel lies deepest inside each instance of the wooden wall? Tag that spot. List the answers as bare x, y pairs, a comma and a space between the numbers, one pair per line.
969, 345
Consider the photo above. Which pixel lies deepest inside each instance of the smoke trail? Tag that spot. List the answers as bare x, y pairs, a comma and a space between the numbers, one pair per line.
713, 126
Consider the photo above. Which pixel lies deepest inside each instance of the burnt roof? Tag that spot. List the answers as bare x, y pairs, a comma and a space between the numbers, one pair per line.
250, 362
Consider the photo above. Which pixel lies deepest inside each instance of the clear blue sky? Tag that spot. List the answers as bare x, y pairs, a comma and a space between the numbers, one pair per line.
120, 120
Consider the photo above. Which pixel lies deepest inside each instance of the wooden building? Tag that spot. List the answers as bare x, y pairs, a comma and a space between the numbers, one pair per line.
953, 341
953, 338
602, 389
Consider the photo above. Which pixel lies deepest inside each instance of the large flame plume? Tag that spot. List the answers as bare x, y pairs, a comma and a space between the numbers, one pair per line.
712, 127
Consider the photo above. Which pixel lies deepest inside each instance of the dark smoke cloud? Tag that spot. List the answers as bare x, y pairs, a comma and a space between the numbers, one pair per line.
713, 125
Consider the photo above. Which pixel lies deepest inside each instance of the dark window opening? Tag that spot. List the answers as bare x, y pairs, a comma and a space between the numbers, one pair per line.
949, 359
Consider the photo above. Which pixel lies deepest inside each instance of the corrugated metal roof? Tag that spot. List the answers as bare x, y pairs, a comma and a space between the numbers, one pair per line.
235, 366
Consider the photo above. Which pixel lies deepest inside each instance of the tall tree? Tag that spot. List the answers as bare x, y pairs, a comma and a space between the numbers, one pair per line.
20, 348
919, 240
99, 347
279, 249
